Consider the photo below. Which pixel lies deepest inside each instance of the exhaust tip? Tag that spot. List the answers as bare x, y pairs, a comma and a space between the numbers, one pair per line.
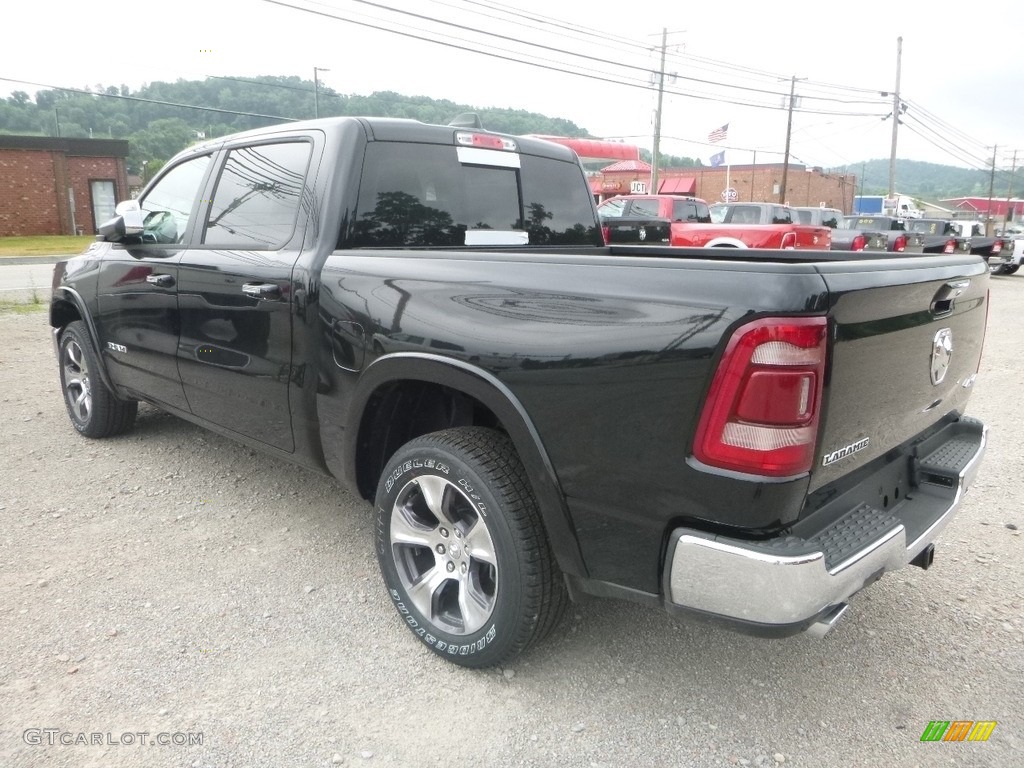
822, 626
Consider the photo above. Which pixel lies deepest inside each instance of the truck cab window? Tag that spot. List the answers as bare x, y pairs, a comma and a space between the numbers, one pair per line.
258, 196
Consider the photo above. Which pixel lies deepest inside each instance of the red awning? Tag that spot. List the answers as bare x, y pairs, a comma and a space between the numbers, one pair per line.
678, 185
596, 149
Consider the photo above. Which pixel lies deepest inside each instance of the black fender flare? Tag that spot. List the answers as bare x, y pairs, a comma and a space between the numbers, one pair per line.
73, 297
493, 393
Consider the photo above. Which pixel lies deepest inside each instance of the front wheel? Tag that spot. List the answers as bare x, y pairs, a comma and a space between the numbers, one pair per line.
462, 548
93, 409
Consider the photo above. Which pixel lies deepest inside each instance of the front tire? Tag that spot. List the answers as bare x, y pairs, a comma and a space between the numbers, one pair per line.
93, 409
462, 548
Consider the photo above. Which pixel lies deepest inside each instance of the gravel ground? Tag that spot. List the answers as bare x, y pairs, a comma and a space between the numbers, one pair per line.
172, 582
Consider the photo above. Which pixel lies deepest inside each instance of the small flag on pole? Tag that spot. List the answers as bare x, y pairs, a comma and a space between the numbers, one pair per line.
717, 160
719, 134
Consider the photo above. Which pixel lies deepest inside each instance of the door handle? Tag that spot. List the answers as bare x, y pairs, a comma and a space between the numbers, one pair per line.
262, 291
164, 281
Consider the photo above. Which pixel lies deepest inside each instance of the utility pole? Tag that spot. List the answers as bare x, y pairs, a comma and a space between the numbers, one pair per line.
895, 117
316, 90
991, 189
1009, 191
655, 154
789, 133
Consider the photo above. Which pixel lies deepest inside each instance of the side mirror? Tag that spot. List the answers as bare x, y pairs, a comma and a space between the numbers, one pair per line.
126, 225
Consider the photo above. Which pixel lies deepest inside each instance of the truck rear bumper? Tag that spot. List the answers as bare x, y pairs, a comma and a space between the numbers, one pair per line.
801, 581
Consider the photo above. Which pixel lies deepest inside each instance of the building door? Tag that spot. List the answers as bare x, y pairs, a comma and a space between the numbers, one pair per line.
103, 201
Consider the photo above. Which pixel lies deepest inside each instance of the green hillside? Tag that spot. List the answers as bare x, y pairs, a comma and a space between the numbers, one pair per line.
162, 118
929, 181
157, 125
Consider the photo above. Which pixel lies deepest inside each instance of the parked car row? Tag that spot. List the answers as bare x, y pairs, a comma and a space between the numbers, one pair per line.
691, 222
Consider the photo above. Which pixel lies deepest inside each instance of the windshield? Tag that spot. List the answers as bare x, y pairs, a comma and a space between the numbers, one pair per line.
869, 224
927, 227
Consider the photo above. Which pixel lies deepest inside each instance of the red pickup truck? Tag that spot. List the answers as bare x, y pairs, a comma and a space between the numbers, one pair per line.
689, 222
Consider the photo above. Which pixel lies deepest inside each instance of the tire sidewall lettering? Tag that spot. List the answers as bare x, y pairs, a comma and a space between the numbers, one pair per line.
408, 466
440, 641
426, 636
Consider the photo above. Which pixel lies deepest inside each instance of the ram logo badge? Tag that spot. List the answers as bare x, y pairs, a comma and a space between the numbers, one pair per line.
942, 353
842, 453
116, 347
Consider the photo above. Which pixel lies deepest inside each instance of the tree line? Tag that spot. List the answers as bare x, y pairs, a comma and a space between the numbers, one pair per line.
157, 126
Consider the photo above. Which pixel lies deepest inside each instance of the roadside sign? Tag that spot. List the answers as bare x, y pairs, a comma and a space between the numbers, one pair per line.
637, 188
730, 195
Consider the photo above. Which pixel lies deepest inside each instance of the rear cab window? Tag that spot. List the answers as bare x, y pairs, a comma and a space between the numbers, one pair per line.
427, 195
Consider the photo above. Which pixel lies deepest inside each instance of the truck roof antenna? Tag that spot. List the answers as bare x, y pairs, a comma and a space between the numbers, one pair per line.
466, 120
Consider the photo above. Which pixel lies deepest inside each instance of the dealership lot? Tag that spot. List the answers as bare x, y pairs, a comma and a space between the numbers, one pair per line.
172, 583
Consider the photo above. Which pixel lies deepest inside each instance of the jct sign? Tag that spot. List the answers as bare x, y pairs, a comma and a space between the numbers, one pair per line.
637, 188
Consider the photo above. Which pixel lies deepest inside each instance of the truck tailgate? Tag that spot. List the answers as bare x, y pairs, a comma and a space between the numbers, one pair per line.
627, 229
907, 341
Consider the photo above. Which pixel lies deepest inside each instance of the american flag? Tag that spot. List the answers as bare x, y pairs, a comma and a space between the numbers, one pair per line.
719, 134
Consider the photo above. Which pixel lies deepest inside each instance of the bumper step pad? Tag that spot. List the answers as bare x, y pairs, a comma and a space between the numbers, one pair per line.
853, 533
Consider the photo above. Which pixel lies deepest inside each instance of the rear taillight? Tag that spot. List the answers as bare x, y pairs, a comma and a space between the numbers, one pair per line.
606, 233
900, 244
762, 410
484, 141
859, 243
997, 246
950, 246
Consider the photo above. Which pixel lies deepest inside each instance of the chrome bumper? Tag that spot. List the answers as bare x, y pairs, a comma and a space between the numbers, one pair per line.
790, 582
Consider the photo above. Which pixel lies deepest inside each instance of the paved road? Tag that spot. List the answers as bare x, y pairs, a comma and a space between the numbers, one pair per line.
20, 277
171, 581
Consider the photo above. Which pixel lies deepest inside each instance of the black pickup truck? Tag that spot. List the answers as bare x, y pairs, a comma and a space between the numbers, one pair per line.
842, 239
428, 314
898, 239
966, 236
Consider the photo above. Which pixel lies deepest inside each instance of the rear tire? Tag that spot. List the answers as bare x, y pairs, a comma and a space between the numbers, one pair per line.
93, 409
462, 548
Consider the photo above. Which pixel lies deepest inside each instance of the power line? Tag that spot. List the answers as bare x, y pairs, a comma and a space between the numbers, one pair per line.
588, 74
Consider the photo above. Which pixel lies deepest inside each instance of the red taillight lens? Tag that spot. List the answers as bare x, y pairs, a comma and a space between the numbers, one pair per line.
485, 141
762, 410
997, 246
606, 233
900, 245
950, 246
859, 243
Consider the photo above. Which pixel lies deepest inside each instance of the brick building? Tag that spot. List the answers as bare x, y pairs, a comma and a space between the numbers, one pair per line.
760, 183
54, 186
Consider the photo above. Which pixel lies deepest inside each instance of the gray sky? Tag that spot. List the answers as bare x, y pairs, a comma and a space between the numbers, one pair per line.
721, 59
